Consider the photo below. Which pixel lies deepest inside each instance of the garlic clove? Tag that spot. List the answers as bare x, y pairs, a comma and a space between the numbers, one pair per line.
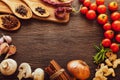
12, 51
4, 47
1, 40
7, 38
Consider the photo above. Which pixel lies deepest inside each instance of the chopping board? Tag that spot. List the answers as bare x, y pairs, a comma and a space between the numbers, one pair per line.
5, 9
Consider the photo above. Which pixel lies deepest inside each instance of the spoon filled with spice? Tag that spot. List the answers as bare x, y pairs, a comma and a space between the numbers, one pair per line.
37, 8
19, 8
9, 22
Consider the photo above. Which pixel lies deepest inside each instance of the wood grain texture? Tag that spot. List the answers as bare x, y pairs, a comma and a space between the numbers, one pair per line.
38, 42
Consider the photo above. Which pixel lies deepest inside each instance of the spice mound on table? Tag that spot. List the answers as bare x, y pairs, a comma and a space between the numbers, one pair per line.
9, 22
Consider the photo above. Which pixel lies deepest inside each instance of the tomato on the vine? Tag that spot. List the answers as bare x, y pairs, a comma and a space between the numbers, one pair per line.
114, 47
87, 3
106, 42
115, 16
117, 37
93, 6
102, 18
101, 9
113, 6
116, 25
100, 2
84, 10
107, 26
109, 34
91, 14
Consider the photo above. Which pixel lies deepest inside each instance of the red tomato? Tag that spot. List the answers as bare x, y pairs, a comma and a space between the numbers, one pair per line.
114, 47
113, 6
102, 18
115, 16
87, 3
106, 42
91, 14
116, 25
84, 10
93, 6
117, 37
101, 9
107, 26
109, 34
99, 2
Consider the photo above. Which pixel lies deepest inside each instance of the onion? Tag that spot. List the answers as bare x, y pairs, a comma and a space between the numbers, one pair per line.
79, 69
60, 12
58, 3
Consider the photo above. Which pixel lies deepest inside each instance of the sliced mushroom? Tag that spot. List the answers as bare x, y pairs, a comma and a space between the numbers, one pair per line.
38, 74
24, 71
8, 67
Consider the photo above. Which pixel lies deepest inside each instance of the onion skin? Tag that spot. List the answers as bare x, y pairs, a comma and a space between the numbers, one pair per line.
79, 69
58, 3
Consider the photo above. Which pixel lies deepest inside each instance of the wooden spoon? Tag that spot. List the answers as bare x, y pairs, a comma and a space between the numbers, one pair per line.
9, 29
15, 4
34, 5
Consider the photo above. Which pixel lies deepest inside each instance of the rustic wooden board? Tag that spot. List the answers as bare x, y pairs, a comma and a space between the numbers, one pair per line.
38, 42
5, 9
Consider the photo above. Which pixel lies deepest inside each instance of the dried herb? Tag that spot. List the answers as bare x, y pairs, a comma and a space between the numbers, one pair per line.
21, 10
9, 22
40, 10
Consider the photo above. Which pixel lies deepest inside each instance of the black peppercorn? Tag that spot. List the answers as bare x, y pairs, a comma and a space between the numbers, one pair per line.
21, 10
40, 10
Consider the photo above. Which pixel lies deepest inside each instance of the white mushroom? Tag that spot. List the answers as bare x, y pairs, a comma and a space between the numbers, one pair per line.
38, 74
8, 67
24, 71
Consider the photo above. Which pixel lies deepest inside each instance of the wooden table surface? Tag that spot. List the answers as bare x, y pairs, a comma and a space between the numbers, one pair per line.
38, 42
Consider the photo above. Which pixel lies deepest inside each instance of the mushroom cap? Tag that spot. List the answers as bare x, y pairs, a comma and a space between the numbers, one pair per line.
38, 74
8, 67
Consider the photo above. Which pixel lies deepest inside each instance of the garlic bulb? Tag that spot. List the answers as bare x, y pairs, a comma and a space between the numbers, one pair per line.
4, 47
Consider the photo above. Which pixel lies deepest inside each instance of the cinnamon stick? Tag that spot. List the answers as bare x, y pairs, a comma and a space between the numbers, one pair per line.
56, 72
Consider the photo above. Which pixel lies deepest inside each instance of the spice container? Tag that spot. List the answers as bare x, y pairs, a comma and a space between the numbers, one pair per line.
56, 72
9, 22
21, 10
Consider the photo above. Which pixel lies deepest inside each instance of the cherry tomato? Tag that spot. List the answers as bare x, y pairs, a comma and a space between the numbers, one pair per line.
101, 9
109, 34
84, 10
115, 16
99, 2
114, 47
113, 6
116, 25
106, 42
102, 18
91, 14
87, 3
117, 37
107, 26
93, 6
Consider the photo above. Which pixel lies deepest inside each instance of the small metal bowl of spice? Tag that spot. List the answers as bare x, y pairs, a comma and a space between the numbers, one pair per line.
9, 22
